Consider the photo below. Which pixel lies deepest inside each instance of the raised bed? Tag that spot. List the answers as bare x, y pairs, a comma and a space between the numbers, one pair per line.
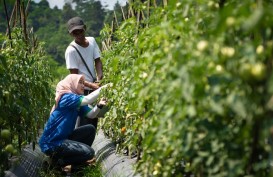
113, 165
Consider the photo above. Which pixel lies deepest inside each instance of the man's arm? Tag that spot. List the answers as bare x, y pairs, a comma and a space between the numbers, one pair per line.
91, 85
98, 65
74, 71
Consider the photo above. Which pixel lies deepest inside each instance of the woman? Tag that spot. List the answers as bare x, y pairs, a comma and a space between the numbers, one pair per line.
64, 144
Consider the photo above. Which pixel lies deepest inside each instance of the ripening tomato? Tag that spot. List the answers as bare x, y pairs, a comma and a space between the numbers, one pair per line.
123, 130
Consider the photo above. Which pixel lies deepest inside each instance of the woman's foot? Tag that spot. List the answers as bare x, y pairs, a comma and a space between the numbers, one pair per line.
67, 169
91, 162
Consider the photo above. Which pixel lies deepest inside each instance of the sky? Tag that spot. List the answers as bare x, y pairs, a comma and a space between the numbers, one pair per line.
110, 3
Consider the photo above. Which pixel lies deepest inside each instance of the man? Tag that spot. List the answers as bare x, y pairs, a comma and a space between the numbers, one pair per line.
80, 57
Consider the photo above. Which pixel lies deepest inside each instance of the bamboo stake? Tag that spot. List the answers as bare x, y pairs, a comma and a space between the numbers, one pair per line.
109, 41
104, 46
131, 12
165, 3
115, 17
138, 20
148, 12
12, 13
123, 15
148, 8
7, 17
26, 10
127, 8
19, 9
155, 5
142, 15
112, 27
32, 38
23, 21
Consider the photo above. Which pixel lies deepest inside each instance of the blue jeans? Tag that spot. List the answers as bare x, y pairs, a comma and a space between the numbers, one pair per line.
76, 149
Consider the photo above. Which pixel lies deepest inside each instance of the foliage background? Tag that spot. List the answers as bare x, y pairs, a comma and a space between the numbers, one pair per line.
192, 88
50, 24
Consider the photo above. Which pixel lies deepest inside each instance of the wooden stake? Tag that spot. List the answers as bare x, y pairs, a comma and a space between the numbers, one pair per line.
155, 5
26, 10
7, 17
115, 17
19, 10
23, 21
165, 3
123, 15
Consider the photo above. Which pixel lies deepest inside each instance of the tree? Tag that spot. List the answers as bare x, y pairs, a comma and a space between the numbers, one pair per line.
3, 21
68, 12
93, 14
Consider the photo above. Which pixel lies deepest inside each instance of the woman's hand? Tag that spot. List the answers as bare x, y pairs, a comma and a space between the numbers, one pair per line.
107, 85
102, 102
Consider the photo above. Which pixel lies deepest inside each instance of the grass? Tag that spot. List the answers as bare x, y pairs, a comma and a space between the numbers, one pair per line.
94, 171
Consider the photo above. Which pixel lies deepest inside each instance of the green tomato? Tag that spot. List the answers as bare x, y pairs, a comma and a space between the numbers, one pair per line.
245, 72
253, 72
258, 71
14, 152
6, 95
5, 134
9, 148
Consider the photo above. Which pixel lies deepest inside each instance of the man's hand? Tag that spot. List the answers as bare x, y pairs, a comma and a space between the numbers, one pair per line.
93, 86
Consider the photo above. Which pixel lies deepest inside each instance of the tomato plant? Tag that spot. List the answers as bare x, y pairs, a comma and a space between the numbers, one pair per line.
192, 85
25, 91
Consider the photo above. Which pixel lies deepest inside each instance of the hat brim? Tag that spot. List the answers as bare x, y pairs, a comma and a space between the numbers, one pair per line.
75, 28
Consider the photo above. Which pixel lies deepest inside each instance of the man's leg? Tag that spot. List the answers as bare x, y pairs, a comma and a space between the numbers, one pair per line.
84, 134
